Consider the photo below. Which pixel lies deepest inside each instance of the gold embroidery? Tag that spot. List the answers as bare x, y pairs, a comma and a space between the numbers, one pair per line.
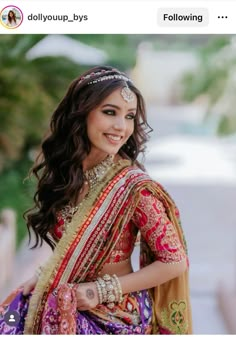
157, 229
174, 318
125, 245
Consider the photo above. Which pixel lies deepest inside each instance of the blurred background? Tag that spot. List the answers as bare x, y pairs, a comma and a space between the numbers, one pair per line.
189, 84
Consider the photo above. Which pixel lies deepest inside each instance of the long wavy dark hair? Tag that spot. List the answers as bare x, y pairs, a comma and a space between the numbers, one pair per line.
58, 168
11, 18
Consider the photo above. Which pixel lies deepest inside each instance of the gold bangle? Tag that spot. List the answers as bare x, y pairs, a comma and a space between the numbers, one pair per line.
120, 297
103, 289
109, 290
100, 296
116, 293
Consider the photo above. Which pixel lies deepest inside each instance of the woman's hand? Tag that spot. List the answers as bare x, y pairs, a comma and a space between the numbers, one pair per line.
29, 285
87, 296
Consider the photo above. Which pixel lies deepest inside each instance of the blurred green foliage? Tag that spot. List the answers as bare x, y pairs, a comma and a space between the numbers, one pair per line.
121, 49
214, 79
30, 90
17, 192
227, 125
210, 77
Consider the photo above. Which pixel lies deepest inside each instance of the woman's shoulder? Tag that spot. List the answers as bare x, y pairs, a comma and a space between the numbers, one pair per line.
142, 177
137, 172
145, 182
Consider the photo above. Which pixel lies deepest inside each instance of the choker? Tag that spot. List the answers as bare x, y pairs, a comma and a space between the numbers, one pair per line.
96, 173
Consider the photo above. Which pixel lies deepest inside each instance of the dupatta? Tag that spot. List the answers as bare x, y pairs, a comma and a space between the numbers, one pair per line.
92, 235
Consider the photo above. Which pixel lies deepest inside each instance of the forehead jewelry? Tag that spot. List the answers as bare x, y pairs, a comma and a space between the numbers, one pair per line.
106, 75
127, 94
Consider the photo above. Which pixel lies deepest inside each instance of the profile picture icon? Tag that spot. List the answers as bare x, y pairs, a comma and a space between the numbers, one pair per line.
11, 17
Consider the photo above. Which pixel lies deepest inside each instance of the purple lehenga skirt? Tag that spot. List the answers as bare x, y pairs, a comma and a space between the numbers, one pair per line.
132, 316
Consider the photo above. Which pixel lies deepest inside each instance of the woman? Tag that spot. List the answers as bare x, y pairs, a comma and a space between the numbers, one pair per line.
11, 19
93, 198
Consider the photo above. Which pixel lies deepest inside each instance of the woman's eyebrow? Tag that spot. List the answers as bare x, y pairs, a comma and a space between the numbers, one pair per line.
117, 107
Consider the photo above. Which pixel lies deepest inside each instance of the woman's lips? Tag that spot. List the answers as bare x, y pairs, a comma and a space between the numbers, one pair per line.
114, 139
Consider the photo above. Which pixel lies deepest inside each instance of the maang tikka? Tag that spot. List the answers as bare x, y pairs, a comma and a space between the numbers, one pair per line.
106, 75
127, 94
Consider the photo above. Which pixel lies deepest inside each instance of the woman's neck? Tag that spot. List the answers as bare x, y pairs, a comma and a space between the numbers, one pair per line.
93, 160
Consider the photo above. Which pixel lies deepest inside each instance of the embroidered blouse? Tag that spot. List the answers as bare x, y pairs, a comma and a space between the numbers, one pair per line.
156, 229
151, 220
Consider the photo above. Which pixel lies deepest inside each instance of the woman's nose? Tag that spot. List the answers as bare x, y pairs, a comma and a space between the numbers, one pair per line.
119, 124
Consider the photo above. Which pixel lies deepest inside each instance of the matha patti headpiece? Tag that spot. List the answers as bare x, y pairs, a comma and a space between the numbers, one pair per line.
106, 75
110, 77
93, 74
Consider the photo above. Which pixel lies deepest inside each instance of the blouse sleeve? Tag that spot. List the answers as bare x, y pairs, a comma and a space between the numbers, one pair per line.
157, 230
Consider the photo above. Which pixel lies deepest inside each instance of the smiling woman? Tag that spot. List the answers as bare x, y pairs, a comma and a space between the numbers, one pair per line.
93, 198
110, 125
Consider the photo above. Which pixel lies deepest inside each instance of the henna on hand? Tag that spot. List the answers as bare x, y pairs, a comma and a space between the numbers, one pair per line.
90, 293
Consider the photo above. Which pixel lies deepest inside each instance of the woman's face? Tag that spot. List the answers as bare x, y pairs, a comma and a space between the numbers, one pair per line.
111, 124
11, 14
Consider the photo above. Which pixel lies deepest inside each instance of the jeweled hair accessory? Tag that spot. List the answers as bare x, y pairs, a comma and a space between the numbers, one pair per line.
93, 74
110, 77
104, 75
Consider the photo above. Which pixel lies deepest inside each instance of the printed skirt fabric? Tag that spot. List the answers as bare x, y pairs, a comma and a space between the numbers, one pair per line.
132, 316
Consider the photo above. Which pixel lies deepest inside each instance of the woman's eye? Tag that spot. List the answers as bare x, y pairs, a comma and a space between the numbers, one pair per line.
109, 112
130, 116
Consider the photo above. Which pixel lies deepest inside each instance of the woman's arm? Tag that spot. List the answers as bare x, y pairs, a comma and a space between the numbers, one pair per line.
164, 244
148, 277
29, 285
151, 276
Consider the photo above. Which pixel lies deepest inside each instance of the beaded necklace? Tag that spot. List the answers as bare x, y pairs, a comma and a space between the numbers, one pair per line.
96, 173
92, 177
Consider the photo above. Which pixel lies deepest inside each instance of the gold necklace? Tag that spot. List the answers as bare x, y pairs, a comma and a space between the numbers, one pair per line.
92, 176
96, 173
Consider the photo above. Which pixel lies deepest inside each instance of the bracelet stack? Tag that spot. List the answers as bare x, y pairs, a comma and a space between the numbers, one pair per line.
109, 290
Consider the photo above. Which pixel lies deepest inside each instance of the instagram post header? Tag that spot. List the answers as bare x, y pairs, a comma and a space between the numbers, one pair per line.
137, 17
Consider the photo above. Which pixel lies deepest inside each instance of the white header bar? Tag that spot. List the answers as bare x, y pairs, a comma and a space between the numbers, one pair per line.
113, 17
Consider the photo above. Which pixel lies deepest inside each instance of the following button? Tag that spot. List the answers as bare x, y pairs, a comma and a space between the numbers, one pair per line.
179, 17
